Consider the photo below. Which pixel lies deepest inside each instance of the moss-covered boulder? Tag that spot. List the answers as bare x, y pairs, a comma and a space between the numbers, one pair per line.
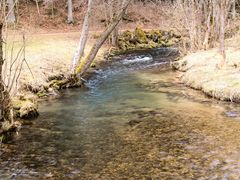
28, 110
140, 36
127, 35
8, 130
25, 108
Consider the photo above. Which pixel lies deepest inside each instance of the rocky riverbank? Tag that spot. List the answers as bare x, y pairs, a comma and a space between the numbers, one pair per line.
140, 39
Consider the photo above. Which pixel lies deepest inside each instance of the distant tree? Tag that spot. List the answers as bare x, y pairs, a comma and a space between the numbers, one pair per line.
11, 18
70, 19
222, 18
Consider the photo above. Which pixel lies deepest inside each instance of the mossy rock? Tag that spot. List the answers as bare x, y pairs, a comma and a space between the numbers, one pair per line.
55, 84
170, 43
153, 44
127, 35
93, 65
6, 126
140, 36
125, 45
25, 109
67, 82
145, 46
55, 77
154, 35
29, 110
42, 94
17, 104
8, 130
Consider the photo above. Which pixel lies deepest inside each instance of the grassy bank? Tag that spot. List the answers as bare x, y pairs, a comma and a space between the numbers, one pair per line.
51, 54
201, 72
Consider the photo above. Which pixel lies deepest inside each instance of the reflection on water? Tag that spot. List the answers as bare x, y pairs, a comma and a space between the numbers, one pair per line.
138, 124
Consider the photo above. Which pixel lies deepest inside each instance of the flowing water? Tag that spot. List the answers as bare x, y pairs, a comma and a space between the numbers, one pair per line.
135, 120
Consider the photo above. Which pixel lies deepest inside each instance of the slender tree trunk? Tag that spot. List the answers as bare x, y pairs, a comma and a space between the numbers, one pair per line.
102, 39
70, 19
11, 18
115, 37
234, 9
83, 38
222, 32
1, 69
37, 5
52, 8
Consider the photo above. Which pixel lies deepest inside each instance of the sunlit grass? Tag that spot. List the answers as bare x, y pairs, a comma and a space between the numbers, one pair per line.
48, 54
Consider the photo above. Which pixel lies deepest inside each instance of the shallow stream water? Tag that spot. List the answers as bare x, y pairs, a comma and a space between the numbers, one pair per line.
135, 120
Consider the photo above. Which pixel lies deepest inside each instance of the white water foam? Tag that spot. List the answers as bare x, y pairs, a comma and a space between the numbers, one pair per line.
138, 59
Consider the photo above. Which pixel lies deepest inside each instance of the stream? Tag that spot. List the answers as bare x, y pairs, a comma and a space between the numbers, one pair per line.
134, 120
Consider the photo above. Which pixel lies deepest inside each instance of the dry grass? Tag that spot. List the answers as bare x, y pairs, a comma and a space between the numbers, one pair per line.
49, 54
202, 73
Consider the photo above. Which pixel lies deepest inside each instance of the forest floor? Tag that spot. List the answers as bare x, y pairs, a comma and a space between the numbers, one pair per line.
201, 71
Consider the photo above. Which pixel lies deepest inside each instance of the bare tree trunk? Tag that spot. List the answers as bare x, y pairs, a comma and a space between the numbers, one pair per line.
1, 69
222, 32
234, 9
70, 19
115, 37
103, 38
11, 18
5, 102
38, 10
83, 38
